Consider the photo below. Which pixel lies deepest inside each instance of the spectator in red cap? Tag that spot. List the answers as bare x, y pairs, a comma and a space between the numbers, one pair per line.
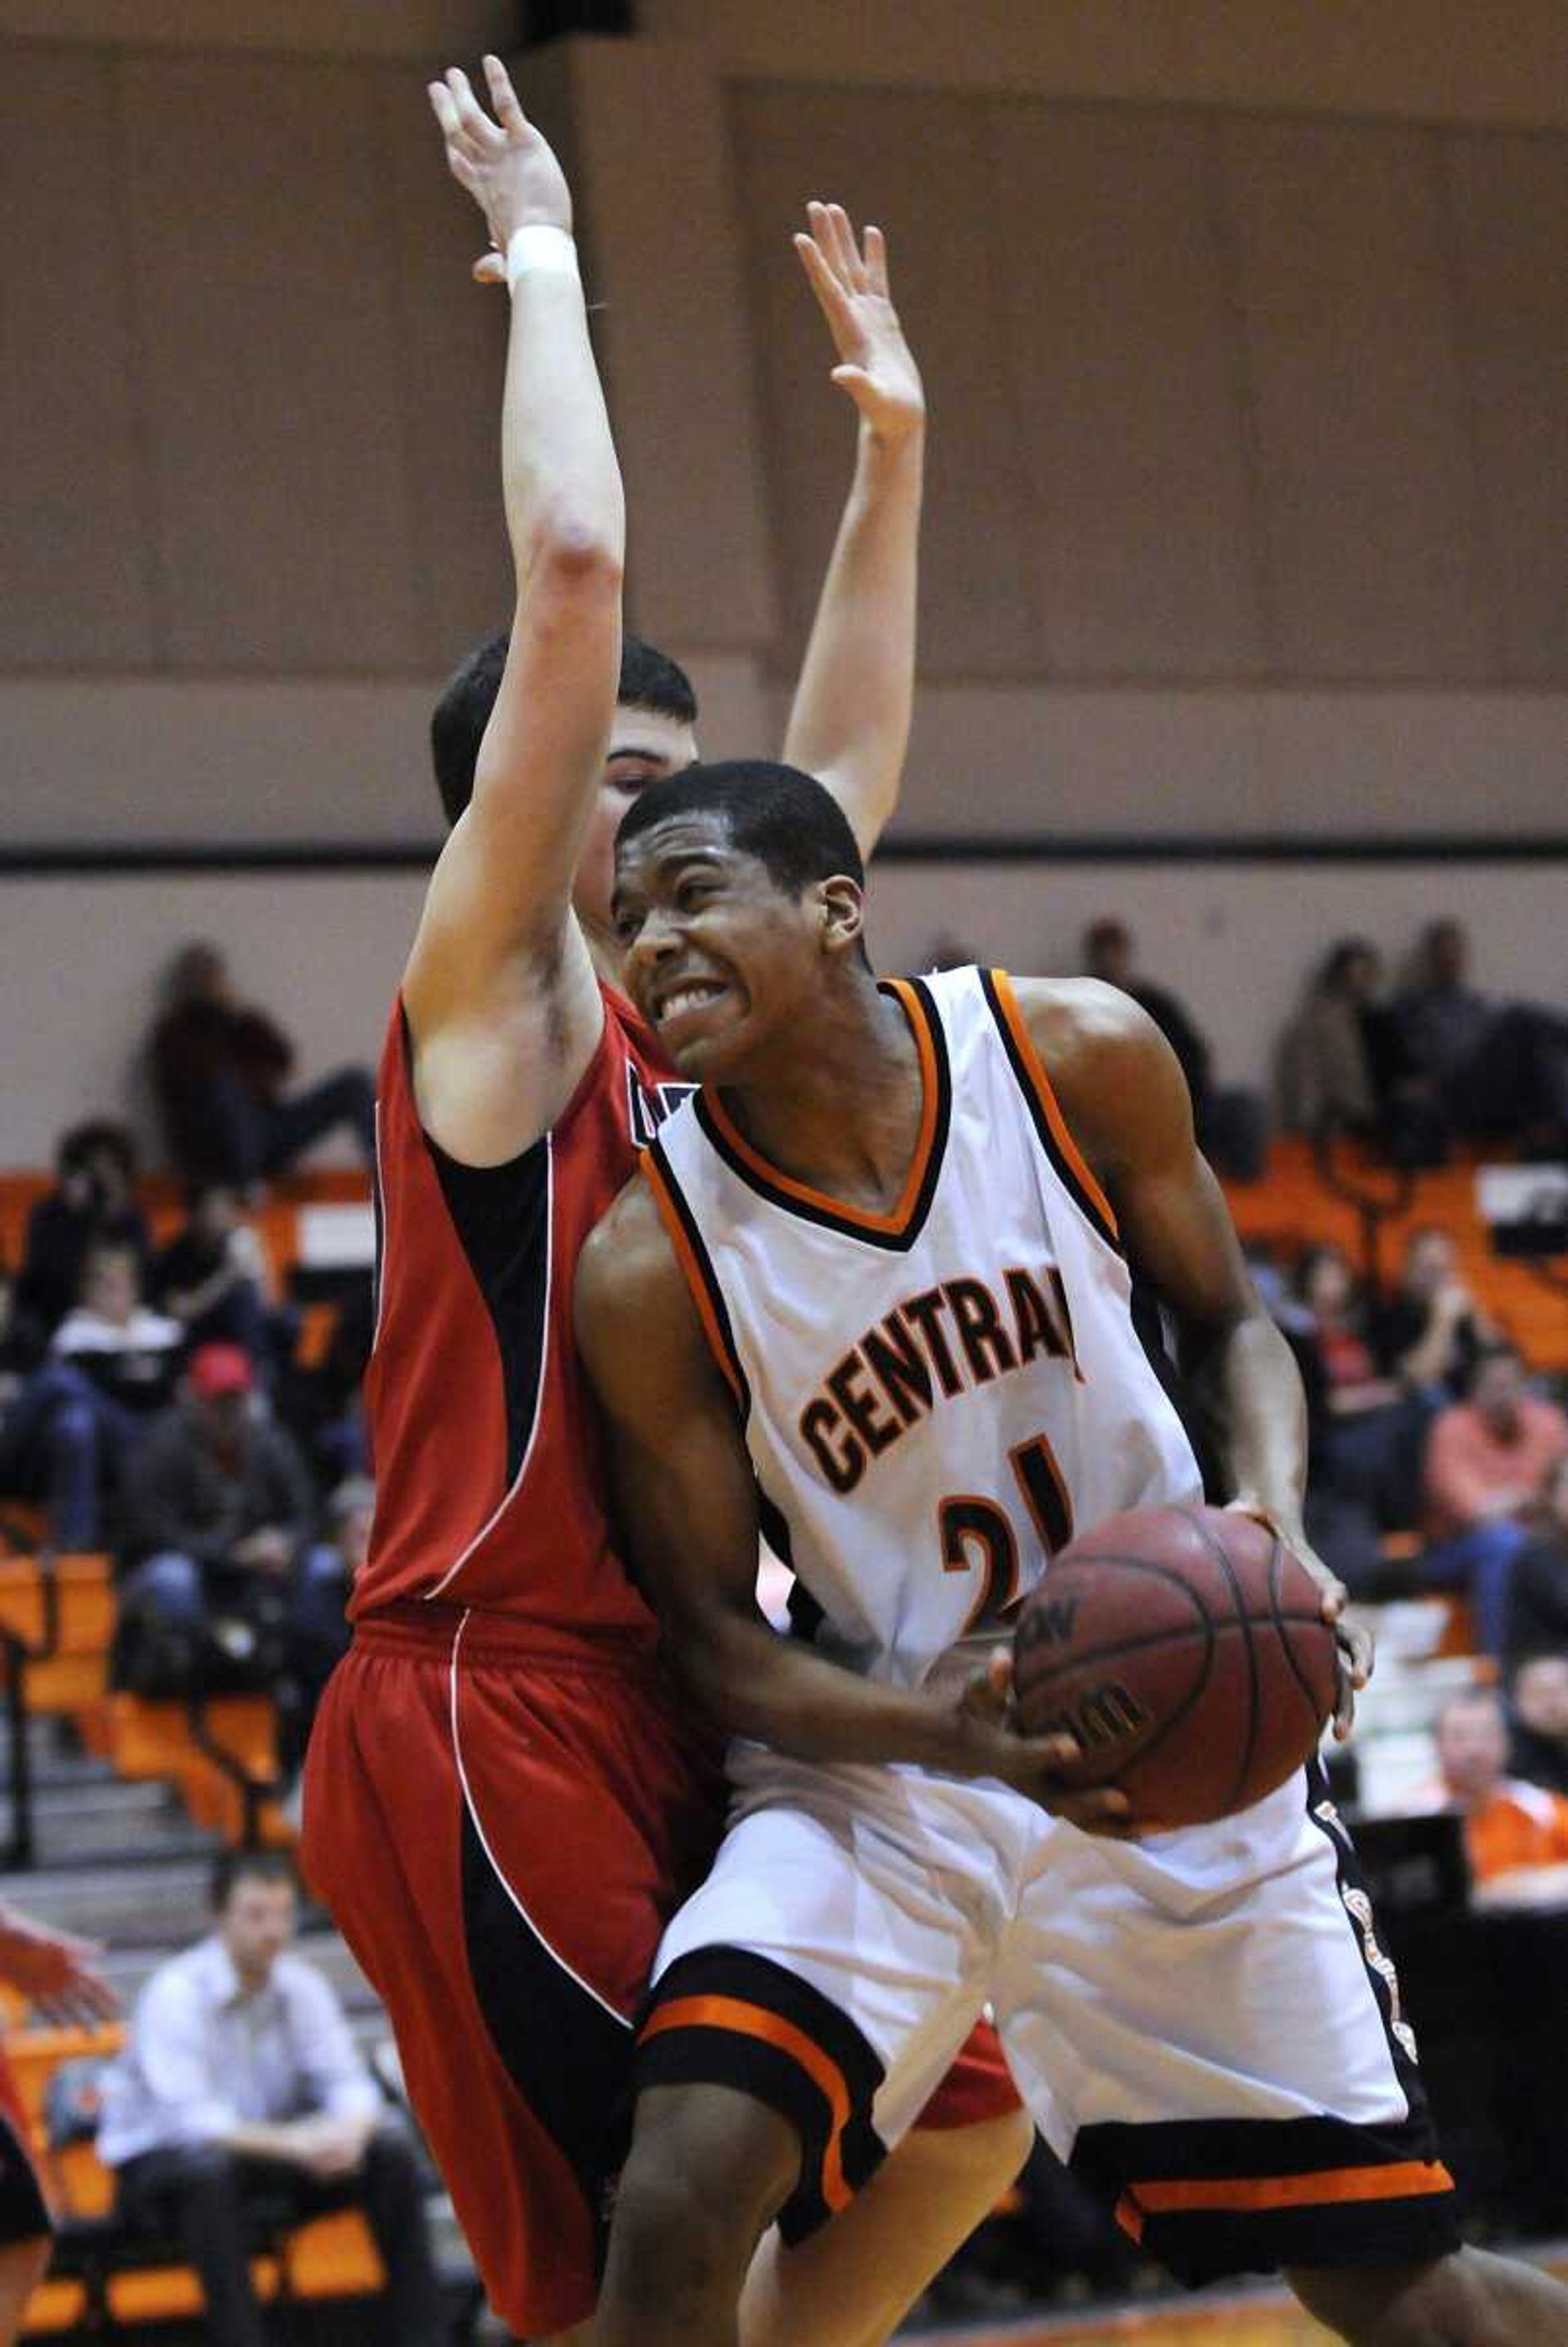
220, 1516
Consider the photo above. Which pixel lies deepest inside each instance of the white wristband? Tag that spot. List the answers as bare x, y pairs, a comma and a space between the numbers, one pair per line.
540, 248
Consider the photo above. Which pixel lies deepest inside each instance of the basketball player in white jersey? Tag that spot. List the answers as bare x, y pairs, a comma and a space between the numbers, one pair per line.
875, 1295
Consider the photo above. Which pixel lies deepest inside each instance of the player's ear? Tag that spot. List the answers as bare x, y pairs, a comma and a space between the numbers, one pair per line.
841, 912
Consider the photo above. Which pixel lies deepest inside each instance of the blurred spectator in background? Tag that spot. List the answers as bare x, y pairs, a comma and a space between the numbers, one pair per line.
75, 1423
1499, 1070
1488, 1459
948, 951
22, 1342
241, 2083
220, 1515
1231, 1126
1366, 1431
1345, 1067
93, 1202
1515, 1834
1538, 1706
1538, 1586
1429, 1332
318, 1628
219, 1067
212, 1276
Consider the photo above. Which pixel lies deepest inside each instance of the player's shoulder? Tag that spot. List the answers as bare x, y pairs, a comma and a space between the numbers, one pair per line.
626, 1265
1072, 1019
1117, 1081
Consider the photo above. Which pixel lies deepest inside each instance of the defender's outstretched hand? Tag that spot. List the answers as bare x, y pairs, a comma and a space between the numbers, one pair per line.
506, 166
850, 283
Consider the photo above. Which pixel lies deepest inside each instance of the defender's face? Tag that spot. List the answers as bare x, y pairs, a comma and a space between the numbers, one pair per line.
645, 746
718, 958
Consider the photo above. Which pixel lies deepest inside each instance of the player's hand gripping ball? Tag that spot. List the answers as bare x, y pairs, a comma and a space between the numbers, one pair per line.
1184, 1652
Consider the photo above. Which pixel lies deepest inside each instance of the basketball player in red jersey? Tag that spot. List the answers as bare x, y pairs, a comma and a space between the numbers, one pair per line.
503, 1802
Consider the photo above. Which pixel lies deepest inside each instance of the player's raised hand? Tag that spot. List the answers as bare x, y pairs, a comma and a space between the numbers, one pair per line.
506, 164
850, 280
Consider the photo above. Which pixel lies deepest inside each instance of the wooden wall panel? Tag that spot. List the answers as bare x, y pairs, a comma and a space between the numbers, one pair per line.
1509, 197
1366, 470
79, 585
916, 162
272, 358
1125, 353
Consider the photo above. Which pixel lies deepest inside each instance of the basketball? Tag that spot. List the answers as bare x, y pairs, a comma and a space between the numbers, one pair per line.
1184, 1649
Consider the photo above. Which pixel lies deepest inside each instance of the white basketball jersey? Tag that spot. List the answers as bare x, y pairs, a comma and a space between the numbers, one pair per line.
937, 1398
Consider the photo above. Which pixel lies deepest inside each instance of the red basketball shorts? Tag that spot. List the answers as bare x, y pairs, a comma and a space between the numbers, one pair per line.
502, 1824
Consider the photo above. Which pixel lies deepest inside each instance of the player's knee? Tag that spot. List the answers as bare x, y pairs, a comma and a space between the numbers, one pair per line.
707, 2172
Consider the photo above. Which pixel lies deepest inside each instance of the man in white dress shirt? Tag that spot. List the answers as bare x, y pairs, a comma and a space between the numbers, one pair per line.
240, 2080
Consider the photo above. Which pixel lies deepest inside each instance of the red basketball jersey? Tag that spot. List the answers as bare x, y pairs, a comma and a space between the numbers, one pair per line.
485, 1436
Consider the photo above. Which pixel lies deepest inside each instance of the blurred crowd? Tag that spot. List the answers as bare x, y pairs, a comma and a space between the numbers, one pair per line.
154, 1400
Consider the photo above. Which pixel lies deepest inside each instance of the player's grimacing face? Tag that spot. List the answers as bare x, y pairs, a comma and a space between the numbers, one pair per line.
718, 957
644, 745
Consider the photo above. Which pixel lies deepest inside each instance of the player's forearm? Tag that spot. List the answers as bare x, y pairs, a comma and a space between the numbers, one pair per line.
756, 1684
1250, 1388
564, 508
849, 724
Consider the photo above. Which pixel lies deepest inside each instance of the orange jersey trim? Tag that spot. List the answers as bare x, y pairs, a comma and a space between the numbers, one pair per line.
1024, 1042
1404, 2180
893, 1223
685, 1254
744, 2020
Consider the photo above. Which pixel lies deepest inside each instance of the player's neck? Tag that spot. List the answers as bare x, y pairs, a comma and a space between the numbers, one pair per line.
844, 1115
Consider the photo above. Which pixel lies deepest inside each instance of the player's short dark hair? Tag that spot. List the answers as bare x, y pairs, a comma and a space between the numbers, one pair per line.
784, 818
232, 1867
648, 680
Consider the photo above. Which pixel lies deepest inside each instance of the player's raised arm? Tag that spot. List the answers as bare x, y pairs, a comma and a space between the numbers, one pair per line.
1123, 1093
500, 991
849, 724
686, 1506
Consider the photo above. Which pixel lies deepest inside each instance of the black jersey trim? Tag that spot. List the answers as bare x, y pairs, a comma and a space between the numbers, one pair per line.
728, 2016
697, 1266
894, 1234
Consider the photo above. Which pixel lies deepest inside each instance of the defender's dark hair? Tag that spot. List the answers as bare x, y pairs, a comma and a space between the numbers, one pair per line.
236, 1866
648, 680
783, 817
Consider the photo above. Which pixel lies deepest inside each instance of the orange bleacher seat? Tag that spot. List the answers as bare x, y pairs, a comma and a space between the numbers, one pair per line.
84, 1586
1290, 1208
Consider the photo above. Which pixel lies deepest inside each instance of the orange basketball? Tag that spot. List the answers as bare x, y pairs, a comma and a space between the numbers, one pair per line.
1185, 1651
